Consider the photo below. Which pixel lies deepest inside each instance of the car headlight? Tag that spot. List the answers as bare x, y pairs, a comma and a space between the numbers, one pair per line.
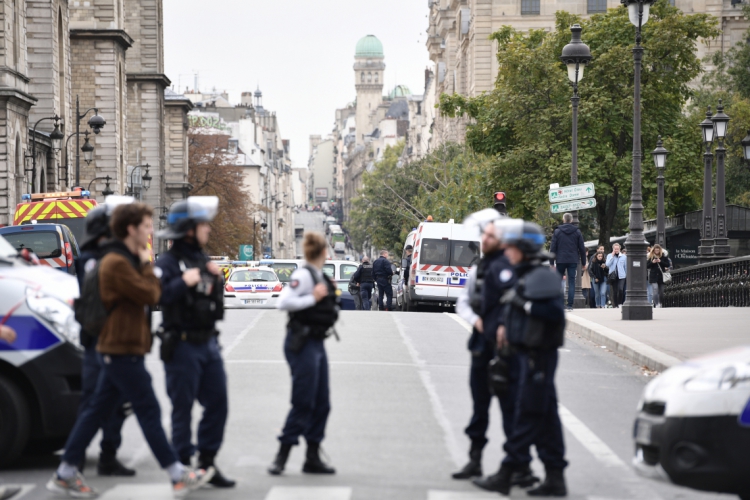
56, 312
720, 378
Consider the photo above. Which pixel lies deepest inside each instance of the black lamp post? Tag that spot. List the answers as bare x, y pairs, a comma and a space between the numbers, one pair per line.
576, 55
746, 146
146, 178
107, 191
636, 306
96, 123
706, 248
660, 162
721, 239
56, 137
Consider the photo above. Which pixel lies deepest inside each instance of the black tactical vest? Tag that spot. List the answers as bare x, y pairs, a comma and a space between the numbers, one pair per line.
323, 315
365, 275
475, 296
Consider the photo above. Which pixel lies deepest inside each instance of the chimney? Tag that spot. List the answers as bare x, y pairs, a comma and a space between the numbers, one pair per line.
246, 99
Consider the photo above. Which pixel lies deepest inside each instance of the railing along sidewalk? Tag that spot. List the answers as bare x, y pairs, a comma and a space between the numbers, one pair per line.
724, 283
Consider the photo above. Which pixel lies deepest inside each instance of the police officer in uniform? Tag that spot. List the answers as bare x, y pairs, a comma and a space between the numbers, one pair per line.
382, 271
312, 301
363, 275
192, 301
535, 327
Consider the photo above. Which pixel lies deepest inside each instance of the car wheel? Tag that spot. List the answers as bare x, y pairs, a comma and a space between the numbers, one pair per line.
14, 421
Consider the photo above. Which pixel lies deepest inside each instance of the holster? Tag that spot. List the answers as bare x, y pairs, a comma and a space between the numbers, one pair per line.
169, 342
298, 335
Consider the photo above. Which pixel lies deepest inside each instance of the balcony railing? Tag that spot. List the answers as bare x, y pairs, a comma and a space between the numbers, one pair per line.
724, 283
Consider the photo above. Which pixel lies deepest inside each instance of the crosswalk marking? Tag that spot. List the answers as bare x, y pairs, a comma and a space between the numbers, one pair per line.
25, 489
309, 493
460, 495
155, 491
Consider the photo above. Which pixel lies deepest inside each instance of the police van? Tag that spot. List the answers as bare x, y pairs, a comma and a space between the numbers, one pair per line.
442, 257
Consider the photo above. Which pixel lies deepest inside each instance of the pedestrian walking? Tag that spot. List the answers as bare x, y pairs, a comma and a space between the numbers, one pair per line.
617, 264
568, 249
382, 272
364, 277
128, 287
598, 272
313, 305
535, 327
586, 286
658, 263
192, 301
649, 288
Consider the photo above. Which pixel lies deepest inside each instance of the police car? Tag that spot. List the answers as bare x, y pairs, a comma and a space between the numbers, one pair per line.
40, 373
252, 288
693, 424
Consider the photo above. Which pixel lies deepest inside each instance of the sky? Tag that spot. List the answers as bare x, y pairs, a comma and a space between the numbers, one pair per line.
299, 52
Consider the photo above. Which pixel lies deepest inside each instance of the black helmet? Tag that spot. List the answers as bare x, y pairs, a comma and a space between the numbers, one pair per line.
97, 225
528, 237
186, 214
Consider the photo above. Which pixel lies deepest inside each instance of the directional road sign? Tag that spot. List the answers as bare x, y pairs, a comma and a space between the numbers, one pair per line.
570, 206
246, 252
575, 192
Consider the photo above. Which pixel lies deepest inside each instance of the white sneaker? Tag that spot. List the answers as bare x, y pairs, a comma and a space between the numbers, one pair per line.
191, 480
74, 487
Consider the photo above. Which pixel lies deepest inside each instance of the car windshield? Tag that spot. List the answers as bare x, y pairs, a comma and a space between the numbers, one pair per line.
329, 270
347, 270
246, 276
284, 271
464, 253
45, 244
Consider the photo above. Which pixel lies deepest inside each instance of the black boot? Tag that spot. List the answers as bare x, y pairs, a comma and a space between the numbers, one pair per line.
206, 460
524, 478
553, 485
187, 461
499, 482
474, 467
313, 463
109, 466
277, 467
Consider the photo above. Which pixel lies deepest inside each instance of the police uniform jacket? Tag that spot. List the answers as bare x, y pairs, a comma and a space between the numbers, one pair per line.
304, 310
499, 278
381, 268
91, 256
364, 274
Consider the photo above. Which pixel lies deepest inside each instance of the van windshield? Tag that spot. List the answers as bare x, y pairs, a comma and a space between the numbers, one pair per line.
449, 252
284, 271
45, 244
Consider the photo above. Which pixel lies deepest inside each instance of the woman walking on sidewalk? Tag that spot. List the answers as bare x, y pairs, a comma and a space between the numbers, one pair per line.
598, 271
658, 263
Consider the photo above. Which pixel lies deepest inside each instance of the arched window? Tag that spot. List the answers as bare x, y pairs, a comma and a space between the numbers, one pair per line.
369, 77
362, 77
377, 77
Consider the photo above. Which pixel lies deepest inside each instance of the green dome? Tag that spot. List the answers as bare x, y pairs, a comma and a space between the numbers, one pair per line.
369, 46
399, 91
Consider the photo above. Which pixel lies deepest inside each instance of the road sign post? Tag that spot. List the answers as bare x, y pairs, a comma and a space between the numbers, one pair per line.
569, 206
575, 192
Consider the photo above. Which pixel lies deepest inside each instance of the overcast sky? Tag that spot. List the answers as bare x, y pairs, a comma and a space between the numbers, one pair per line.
300, 52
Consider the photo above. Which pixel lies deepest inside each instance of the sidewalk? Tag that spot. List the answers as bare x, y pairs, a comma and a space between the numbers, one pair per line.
675, 334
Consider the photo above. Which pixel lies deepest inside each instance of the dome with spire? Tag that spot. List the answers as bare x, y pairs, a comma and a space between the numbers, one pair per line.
369, 46
399, 91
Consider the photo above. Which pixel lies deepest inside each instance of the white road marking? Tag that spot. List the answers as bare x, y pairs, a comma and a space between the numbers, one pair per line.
457, 455
458, 319
460, 495
309, 493
155, 491
353, 363
227, 350
25, 489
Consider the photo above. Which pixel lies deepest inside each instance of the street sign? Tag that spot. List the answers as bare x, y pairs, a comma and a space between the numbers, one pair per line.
570, 206
575, 192
246, 252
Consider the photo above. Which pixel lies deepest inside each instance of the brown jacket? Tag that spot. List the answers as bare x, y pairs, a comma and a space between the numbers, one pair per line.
128, 290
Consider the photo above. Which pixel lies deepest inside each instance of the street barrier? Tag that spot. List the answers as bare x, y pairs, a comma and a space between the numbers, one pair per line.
724, 283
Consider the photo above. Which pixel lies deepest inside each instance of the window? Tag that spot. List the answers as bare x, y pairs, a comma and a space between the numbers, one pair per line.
369, 77
464, 253
362, 77
284, 271
45, 244
347, 270
596, 6
245, 276
529, 7
376, 77
434, 252
329, 270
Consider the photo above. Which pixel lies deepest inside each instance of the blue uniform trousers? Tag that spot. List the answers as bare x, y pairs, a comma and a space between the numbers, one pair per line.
111, 425
365, 291
385, 290
537, 421
311, 402
197, 372
122, 376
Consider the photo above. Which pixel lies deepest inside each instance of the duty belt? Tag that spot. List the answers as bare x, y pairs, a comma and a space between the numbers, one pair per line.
197, 336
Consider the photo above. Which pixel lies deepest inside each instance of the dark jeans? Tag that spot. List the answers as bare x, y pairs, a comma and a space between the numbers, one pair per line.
571, 269
111, 425
658, 293
537, 421
197, 372
617, 288
122, 376
384, 290
311, 402
365, 292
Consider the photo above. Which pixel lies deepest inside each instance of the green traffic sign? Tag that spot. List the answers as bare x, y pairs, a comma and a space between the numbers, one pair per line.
570, 206
574, 192
246, 252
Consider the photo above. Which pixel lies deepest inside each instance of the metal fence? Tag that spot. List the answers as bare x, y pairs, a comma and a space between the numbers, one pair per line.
724, 283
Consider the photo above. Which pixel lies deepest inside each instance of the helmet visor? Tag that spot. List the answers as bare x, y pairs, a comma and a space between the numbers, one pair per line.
479, 220
203, 208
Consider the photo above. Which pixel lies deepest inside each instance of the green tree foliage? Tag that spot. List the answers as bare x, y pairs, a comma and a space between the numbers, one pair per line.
524, 124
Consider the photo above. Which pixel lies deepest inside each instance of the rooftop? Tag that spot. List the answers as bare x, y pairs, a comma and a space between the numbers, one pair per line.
369, 46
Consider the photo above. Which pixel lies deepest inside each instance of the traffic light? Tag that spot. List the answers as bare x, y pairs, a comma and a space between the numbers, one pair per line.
499, 204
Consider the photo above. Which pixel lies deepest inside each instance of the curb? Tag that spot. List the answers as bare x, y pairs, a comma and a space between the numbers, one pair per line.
635, 351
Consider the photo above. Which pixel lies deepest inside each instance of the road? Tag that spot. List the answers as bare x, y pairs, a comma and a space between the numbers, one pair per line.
400, 400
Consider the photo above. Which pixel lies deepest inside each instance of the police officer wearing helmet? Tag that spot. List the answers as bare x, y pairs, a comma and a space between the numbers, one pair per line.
535, 327
312, 301
364, 276
92, 250
192, 300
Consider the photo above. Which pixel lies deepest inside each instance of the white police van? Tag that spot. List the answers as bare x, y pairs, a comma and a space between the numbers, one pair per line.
442, 257
40, 373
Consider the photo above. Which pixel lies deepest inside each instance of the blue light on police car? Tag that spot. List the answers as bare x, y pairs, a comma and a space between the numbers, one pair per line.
85, 194
25, 197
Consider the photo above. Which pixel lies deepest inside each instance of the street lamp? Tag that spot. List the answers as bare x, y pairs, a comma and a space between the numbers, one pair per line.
88, 150
146, 180
636, 307
56, 138
746, 146
706, 248
96, 123
576, 55
721, 238
660, 162
107, 191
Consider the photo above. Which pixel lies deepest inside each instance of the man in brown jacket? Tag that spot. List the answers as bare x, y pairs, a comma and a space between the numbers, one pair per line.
128, 287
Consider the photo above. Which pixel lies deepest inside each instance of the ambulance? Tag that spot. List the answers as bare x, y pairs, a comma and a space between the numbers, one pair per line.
442, 257
67, 207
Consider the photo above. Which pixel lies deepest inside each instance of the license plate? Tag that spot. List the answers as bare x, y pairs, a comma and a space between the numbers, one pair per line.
433, 279
643, 432
254, 301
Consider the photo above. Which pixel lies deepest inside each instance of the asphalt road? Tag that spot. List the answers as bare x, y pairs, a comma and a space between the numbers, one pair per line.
400, 401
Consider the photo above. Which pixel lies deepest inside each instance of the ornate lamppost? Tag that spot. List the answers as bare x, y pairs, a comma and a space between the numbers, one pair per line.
721, 238
636, 306
706, 248
96, 123
146, 178
56, 137
660, 161
746, 147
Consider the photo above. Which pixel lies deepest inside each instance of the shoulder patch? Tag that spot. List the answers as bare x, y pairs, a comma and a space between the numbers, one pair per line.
506, 275
158, 272
90, 265
294, 283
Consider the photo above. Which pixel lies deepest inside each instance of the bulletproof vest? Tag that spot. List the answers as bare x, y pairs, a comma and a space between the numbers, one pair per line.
475, 295
203, 305
323, 315
535, 283
365, 275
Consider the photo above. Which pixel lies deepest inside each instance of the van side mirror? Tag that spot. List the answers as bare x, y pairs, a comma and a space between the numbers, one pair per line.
57, 252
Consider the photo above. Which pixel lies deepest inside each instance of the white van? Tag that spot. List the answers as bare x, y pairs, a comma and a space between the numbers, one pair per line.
443, 254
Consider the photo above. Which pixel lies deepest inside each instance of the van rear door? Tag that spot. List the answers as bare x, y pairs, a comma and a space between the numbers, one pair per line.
433, 260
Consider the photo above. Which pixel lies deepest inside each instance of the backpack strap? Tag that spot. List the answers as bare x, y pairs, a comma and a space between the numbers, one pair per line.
313, 274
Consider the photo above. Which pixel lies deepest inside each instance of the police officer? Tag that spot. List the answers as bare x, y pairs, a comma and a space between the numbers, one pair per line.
97, 232
382, 272
192, 300
363, 275
407, 267
535, 327
313, 305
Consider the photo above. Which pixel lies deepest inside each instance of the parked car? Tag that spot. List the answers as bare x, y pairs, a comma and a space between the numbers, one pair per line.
693, 424
340, 272
283, 267
252, 288
54, 244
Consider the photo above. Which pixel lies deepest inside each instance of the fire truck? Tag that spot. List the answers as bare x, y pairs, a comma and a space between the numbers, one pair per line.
66, 207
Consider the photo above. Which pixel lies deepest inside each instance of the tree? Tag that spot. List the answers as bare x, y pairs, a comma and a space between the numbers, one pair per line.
525, 122
213, 173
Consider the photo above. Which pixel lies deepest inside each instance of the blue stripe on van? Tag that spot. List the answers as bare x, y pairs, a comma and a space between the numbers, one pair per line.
32, 335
